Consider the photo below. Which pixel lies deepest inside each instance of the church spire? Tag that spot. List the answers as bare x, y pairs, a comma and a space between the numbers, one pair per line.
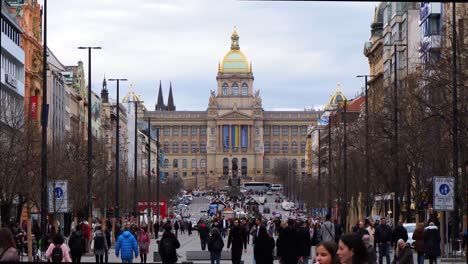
170, 100
160, 105
104, 91
235, 40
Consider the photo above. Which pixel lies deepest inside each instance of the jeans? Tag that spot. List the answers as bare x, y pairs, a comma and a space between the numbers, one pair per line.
420, 258
384, 250
223, 232
215, 257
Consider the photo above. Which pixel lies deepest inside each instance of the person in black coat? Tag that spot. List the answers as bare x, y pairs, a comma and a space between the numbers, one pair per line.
399, 232
77, 245
172, 256
287, 244
432, 243
303, 241
237, 239
156, 229
264, 245
215, 239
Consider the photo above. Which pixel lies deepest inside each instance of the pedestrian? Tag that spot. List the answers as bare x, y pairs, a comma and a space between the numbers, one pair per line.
108, 241
361, 231
399, 232
168, 246
304, 243
126, 246
287, 244
245, 230
404, 254
19, 239
264, 245
432, 243
176, 227
351, 250
327, 230
383, 238
237, 240
144, 242
215, 246
77, 244
338, 231
203, 232
371, 230
189, 227
58, 250
86, 231
325, 253
254, 232
418, 237
7, 246
100, 246
156, 229
370, 249
182, 226
224, 226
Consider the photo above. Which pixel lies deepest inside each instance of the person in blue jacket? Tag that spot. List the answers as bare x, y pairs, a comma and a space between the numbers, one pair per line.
127, 244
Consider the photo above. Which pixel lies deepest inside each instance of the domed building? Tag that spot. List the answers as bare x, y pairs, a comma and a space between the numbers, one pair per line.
234, 137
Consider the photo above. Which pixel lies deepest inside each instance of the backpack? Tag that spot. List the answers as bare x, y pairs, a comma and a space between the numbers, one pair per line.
75, 243
167, 248
57, 254
218, 245
99, 242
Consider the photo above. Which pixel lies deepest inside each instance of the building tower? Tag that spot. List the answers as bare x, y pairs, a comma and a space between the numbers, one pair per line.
160, 105
104, 92
170, 101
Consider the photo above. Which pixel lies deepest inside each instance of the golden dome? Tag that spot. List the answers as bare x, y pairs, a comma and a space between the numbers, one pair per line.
335, 99
235, 60
131, 96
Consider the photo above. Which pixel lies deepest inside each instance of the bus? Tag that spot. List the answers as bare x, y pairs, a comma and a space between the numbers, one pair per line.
257, 186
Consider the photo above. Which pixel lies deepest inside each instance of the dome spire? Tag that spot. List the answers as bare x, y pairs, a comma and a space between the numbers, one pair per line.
235, 40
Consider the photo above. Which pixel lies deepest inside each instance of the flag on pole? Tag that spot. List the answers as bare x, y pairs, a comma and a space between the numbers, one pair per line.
263, 151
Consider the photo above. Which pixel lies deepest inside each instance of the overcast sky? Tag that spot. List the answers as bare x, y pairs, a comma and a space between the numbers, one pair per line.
299, 50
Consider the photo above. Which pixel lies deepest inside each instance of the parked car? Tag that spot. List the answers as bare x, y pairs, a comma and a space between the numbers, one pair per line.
188, 196
269, 193
410, 227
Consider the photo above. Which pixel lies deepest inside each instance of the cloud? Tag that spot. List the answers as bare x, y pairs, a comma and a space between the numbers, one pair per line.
299, 50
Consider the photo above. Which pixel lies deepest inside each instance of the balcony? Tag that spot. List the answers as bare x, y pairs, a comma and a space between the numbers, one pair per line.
429, 9
430, 42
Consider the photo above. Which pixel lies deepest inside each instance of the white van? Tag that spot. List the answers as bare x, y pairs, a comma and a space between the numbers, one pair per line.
276, 187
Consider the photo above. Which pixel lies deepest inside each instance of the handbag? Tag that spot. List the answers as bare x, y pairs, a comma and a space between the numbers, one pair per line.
92, 244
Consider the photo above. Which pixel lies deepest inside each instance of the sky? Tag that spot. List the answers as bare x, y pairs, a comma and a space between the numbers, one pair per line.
299, 50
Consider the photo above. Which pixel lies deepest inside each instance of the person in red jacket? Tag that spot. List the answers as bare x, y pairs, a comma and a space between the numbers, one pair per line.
86, 234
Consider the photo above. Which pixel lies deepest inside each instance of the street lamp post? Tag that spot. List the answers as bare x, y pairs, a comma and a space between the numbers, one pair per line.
89, 178
196, 167
395, 137
117, 152
44, 191
158, 184
367, 185
329, 165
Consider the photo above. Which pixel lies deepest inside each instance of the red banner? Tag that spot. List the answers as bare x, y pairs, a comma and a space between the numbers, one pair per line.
142, 206
33, 107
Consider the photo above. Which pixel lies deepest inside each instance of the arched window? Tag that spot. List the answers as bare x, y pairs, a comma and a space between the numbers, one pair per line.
245, 89
266, 165
294, 164
276, 147
303, 146
167, 147
235, 167
294, 147
194, 147
303, 163
184, 147
203, 147
244, 166
235, 89
267, 147
284, 148
276, 163
203, 163
175, 147
194, 163
225, 89
175, 164
225, 166
166, 163
184, 163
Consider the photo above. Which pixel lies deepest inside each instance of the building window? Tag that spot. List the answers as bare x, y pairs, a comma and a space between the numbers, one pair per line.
166, 147
203, 131
184, 147
175, 164
276, 147
267, 147
294, 130
194, 130
294, 147
225, 89
184, 131
175, 174
184, 174
266, 130
194, 163
184, 163
303, 146
203, 147
285, 147
303, 163
203, 163
194, 147
213, 131
175, 147
303, 130
245, 89
266, 165
166, 163
235, 89
285, 131
276, 131
167, 131
175, 130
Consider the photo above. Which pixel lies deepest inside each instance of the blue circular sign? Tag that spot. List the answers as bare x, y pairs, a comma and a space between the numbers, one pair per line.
58, 191
444, 189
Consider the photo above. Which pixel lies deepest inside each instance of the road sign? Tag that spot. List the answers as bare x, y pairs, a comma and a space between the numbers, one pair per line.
58, 191
444, 193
